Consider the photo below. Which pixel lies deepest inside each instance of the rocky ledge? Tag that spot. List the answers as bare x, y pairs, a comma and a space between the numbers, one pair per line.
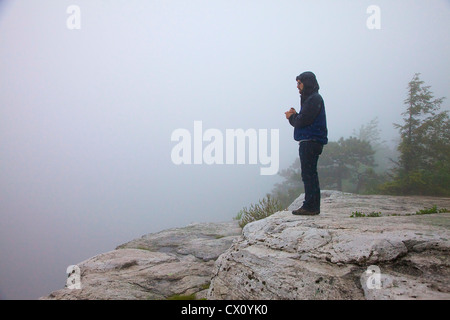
168, 264
394, 255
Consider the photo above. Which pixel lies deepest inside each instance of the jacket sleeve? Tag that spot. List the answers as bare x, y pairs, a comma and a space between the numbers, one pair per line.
309, 112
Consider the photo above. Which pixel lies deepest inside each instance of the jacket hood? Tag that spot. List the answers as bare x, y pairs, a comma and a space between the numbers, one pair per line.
310, 84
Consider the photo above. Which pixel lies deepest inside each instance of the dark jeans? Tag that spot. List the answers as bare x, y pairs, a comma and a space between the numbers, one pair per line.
309, 156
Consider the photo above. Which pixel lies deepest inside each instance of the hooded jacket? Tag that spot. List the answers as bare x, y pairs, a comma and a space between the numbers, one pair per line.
310, 123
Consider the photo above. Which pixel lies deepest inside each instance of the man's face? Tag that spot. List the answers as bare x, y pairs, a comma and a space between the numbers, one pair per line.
299, 86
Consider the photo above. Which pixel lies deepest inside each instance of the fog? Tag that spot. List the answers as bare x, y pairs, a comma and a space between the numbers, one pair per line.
87, 111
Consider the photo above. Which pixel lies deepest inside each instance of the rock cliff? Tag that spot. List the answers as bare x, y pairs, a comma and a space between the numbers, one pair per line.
163, 265
394, 255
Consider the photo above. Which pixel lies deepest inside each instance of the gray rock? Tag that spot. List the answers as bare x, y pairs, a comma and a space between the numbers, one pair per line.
333, 256
172, 262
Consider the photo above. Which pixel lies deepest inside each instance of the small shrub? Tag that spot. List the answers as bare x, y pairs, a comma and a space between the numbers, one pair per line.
357, 214
266, 207
431, 210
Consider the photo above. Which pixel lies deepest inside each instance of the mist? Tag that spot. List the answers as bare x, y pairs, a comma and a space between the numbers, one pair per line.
87, 113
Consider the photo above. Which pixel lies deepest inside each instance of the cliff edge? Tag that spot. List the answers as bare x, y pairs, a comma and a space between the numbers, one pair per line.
168, 264
391, 253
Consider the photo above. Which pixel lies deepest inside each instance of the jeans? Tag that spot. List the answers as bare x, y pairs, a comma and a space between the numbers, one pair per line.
309, 156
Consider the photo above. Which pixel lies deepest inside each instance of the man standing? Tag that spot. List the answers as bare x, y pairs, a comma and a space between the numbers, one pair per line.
311, 131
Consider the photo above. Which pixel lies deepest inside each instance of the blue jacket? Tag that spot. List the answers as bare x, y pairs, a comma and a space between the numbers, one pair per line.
311, 122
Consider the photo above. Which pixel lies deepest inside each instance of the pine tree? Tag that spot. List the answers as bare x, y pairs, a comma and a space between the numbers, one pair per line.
418, 120
349, 160
425, 145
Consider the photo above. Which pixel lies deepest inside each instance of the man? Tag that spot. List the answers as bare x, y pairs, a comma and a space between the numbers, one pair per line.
311, 131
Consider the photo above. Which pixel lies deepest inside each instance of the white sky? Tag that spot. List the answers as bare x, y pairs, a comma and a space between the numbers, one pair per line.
86, 115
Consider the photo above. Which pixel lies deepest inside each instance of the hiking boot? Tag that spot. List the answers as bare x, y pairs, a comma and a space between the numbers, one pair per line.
305, 212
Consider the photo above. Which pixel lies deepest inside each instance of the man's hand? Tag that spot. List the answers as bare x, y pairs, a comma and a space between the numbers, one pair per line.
290, 113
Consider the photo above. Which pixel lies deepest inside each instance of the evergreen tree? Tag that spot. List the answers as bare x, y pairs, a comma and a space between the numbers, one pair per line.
424, 147
384, 158
348, 159
418, 124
